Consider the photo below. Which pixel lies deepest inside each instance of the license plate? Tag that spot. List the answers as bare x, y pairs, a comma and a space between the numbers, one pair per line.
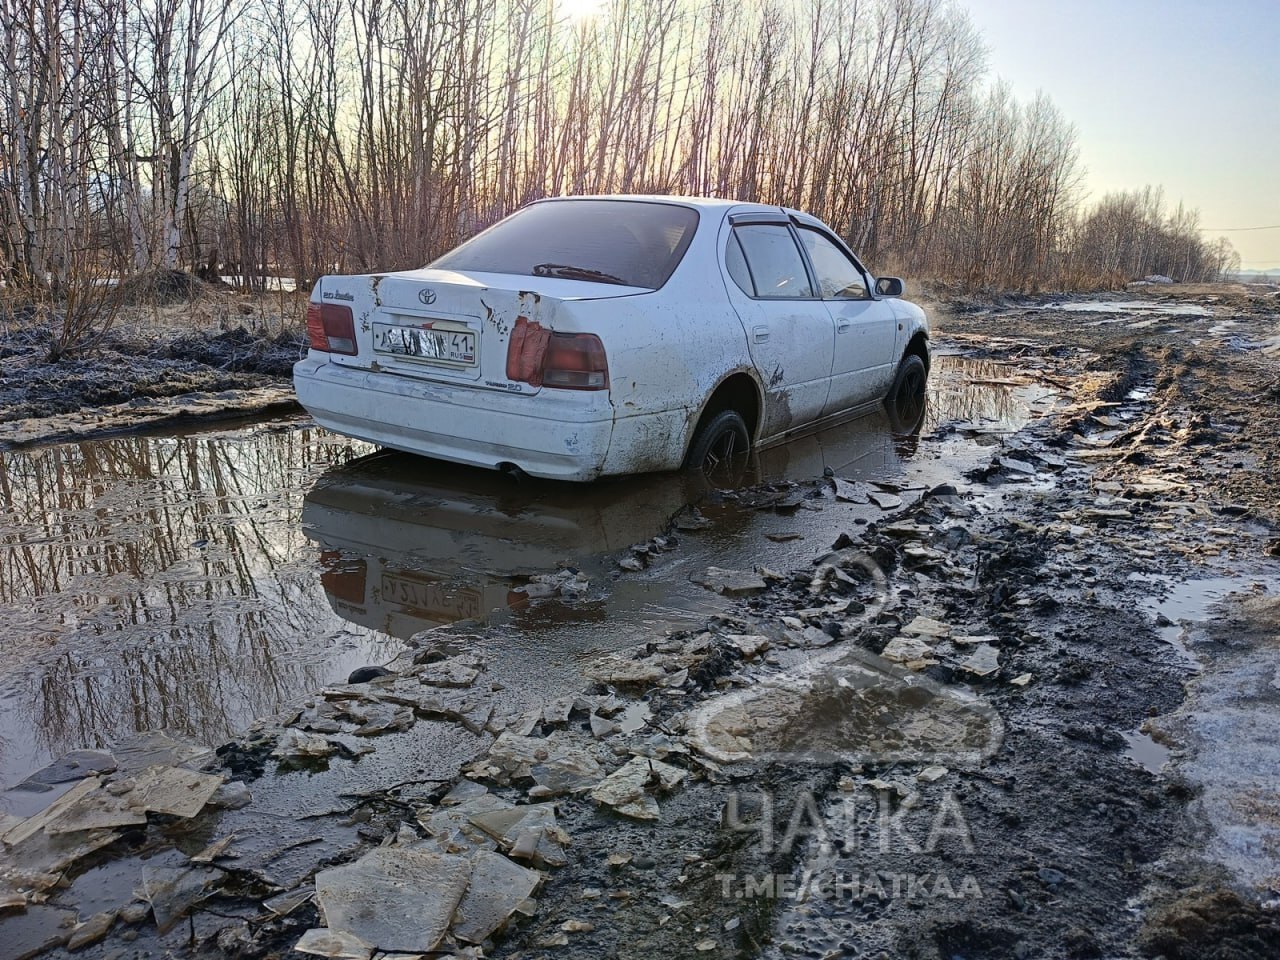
435, 343
438, 600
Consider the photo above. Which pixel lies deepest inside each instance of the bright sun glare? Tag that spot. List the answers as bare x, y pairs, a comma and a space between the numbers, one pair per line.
581, 9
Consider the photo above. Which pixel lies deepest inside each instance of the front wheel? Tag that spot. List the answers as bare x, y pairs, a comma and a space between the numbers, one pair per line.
906, 399
718, 441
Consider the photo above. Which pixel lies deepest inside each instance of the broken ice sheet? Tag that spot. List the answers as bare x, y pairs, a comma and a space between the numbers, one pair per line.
527, 832
885, 501
172, 790
602, 727
453, 672
850, 491
377, 718
496, 890
731, 583
691, 519
452, 829
514, 756
294, 744
472, 710
984, 661
98, 810
38, 862
749, 645
173, 891
854, 708
394, 898
20, 830
558, 710
1014, 465
214, 850
912, 651
927, 627
505, 825
463, 791
807, 637
625, 671
155, 748
283, 904
563, 774
627, 790
124, 803
72, 766
320, 942
91, 930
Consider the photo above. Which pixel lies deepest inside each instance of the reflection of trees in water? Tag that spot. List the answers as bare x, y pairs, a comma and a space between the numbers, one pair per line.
978, 391
134, 623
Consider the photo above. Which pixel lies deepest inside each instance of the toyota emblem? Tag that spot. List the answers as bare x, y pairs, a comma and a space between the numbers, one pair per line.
427, 296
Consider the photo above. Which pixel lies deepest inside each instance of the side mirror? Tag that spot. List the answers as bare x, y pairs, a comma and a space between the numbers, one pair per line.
889, 287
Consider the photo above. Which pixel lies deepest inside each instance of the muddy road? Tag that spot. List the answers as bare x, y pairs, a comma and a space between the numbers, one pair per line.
192, 583
999, 683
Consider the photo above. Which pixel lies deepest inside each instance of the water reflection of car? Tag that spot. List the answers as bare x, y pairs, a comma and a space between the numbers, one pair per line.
407, 544
871, 447
592, 336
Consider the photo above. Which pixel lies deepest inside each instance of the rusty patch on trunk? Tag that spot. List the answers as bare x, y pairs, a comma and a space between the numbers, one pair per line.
528, 347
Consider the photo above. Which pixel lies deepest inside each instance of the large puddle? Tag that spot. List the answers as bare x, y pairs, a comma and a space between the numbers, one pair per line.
1163, 308
191, 583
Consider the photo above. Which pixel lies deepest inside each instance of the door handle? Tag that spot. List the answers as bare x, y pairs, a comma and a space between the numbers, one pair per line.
760, 333
843, 325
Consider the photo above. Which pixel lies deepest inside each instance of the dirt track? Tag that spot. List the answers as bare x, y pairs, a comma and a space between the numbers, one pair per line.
1157, 478
1127, 807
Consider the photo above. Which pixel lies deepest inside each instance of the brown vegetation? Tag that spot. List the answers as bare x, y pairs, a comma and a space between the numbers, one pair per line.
255, 137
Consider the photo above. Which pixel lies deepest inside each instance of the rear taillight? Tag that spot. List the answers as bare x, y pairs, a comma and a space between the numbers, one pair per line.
575, 361
331, 328
343, 577
567, 361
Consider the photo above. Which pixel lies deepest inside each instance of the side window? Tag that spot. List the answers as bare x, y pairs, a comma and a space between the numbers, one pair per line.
774, 260
838, 276
737, 265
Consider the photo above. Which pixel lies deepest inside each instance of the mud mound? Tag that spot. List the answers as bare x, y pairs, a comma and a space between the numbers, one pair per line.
125, 366
162, 287
240, 351
1211, 925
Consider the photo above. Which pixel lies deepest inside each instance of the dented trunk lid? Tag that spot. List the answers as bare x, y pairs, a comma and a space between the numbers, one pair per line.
457, 328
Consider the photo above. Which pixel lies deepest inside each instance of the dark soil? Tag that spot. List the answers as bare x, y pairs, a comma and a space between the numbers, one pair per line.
122, 368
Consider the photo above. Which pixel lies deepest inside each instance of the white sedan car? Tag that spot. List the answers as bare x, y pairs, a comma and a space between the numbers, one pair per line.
587, 336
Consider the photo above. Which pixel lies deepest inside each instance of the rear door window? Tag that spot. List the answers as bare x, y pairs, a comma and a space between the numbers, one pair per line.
627, 242
736, 264
776, 267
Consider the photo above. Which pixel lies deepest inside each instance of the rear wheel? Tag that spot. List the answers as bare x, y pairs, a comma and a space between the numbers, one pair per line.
906, 397
718, 441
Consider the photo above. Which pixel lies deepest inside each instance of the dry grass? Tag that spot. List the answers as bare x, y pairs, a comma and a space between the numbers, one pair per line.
216, 310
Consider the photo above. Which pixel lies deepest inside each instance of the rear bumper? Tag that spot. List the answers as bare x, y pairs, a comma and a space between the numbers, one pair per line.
561, 437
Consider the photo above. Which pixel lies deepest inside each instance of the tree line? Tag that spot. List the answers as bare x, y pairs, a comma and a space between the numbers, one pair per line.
302, 137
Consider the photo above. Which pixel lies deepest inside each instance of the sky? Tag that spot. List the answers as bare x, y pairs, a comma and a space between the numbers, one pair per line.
1172, 93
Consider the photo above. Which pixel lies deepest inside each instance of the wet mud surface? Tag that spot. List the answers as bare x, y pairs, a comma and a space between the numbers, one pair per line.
194, 582
1000, 687
131, 379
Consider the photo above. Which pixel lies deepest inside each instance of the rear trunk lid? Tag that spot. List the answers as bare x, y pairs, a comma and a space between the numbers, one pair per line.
454, 328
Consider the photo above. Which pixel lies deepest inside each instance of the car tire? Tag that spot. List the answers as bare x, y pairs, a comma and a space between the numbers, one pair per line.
717, 441
906, 398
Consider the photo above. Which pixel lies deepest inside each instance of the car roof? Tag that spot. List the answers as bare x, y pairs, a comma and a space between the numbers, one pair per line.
705, 203
719, 204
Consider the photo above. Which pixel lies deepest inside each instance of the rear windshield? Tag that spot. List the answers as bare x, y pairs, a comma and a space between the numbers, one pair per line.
601, 241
